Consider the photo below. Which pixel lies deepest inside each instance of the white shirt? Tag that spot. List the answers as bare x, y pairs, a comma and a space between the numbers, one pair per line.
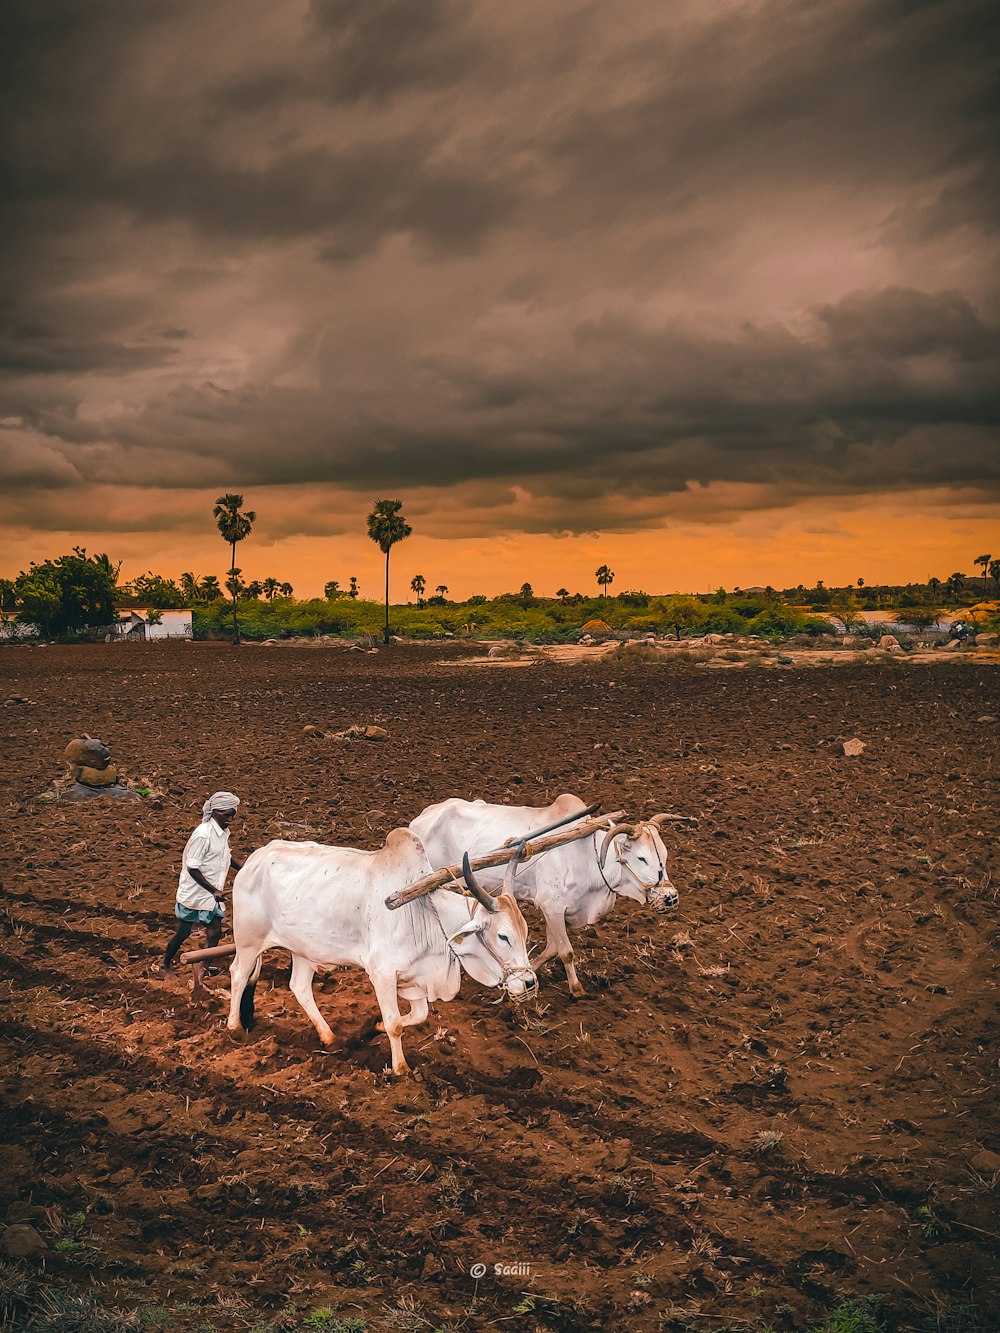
207, 850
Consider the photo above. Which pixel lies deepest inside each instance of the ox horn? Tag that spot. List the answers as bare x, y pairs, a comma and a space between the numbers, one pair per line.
615, 831
478, 892
660, 820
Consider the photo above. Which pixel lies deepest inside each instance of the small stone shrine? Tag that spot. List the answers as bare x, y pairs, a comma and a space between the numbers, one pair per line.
91, 773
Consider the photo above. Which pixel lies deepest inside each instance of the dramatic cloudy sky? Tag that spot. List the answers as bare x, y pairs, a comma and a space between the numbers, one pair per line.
703, 289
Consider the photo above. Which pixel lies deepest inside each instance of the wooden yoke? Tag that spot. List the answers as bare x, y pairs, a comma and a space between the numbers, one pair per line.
523, 851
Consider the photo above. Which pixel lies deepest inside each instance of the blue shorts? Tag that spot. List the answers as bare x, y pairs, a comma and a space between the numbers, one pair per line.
199, 918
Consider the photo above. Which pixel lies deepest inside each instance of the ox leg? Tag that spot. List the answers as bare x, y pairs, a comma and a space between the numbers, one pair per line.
301, 987
387, 994
557, 944
243, 972
419, 1009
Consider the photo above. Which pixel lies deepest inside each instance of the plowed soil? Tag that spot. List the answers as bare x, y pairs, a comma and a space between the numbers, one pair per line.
775, 1100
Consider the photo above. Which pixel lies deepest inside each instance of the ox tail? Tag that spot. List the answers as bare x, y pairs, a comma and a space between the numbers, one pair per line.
247, 1018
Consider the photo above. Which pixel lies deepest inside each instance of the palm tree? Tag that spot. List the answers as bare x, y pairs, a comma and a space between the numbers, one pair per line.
562, 594
270, 589
933, 584
386, 527
354, 590
254, 589
442, 590
235, 525
604, 576
955, 583
419, 585
861, 583
286, 589
983, 560
209, 588
331, 590
995, 572
189, 587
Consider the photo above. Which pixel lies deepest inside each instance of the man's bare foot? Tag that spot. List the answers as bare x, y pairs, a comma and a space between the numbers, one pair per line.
161, 973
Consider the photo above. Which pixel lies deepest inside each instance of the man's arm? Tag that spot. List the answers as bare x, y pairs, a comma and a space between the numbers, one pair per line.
234, 864
200, 880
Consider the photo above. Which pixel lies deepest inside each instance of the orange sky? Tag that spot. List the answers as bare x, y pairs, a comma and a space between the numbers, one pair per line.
883, 542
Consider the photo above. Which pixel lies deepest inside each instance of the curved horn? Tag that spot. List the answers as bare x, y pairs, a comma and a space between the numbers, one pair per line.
615, 831
477, 890
660, 820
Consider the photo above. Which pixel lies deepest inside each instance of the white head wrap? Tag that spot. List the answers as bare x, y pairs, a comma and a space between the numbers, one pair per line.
220, 800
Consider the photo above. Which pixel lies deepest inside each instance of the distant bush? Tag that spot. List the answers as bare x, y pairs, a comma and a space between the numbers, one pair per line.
779, 622
503, 617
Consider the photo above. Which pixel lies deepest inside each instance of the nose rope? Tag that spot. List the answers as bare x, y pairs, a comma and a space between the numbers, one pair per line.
506, 970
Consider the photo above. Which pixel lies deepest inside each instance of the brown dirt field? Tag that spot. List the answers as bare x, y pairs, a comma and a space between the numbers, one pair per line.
765, 1105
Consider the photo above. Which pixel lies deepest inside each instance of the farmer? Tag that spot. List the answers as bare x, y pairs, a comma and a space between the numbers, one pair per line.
202, 885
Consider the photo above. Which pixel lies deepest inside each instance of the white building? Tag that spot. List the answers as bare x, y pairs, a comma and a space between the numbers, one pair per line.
135, 625
13, 629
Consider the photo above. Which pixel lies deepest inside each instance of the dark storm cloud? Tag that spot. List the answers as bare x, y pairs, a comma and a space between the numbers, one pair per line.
611, 255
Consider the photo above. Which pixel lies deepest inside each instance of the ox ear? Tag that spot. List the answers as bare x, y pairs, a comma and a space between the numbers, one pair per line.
474, 926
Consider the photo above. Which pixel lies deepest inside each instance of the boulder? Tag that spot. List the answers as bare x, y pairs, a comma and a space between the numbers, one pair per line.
21, 1241
849, 640
952, 646
87, 751
889, 644
987, 640
985, 1162
314, 733
96, 777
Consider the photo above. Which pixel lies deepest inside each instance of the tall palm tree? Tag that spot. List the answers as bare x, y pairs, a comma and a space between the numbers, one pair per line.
235, 525
419, 585
983, 560
270, 588
386, 527
955, 583
442, 590
189, 587
354, 590
604, 576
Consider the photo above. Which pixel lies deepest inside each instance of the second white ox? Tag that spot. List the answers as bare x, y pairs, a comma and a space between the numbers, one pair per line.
573, 885
326, 905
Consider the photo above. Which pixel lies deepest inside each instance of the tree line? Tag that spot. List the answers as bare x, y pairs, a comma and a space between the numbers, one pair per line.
75, 592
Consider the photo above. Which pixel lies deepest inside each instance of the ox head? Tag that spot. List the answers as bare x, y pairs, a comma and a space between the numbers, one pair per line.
492, 945
642, 863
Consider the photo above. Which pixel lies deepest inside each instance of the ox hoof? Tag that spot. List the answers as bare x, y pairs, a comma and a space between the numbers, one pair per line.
577, 991
401, 1070
326, 1038
237, 1035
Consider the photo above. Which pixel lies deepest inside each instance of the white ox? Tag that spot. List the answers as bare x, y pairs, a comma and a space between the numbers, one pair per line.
573, 885
326, 905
